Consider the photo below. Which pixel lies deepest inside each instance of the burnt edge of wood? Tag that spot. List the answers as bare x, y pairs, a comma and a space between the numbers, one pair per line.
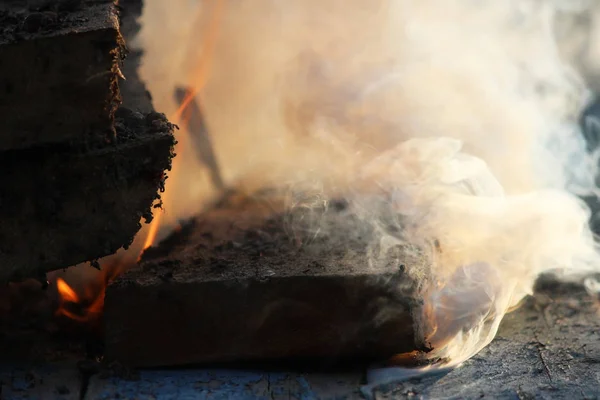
61, 207
246, 281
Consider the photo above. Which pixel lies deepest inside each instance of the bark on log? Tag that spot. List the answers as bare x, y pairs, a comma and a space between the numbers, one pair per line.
247, 281
59, 69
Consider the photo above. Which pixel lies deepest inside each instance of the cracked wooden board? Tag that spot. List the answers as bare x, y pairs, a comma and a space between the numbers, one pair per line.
548, 349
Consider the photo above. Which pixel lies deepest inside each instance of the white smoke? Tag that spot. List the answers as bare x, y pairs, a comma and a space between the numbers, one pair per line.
462, 113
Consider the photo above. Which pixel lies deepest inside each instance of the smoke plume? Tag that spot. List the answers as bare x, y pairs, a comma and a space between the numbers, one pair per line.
459, 115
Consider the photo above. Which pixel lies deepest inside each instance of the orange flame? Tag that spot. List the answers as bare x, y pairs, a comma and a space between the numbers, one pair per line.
67, 294
198, 82
152, 231
68, 298
87, 306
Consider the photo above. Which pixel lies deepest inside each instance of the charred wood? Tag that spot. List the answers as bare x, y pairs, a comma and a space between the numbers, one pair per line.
247, 280
60, 207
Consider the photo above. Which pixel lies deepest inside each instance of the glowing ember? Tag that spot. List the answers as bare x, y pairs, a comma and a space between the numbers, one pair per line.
67, 294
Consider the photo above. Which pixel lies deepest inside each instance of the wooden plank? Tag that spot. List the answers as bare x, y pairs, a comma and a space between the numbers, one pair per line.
61, 207
59, 69
234, 285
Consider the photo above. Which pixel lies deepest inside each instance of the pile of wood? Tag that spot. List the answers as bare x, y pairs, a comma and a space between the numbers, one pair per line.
84, 154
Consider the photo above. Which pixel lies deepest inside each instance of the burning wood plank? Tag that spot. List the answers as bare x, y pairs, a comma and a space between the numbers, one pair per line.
63, 207
237, 284
59, 72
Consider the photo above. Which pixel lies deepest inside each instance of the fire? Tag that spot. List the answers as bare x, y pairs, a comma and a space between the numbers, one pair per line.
86, 307
152, 231
200, 75
198, 81
86, 304
70, 305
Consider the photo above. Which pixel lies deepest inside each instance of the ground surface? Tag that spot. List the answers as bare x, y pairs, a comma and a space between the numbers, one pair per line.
548, 349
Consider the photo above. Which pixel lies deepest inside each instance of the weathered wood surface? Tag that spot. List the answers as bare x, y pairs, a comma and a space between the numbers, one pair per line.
59, 71
245, 281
